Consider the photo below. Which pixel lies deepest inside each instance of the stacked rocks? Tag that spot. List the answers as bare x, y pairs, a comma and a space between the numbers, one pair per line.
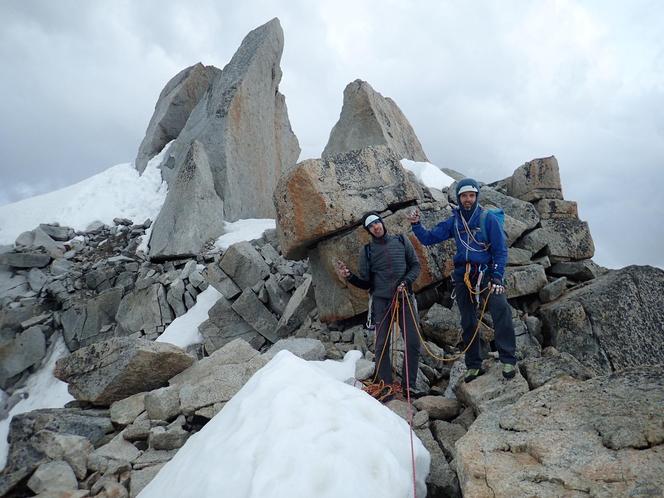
88, 286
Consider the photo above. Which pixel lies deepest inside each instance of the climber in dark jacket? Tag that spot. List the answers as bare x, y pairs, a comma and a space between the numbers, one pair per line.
388, 264
480, 257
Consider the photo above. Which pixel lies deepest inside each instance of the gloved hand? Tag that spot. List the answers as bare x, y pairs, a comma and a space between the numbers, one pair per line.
497, 286
402, 287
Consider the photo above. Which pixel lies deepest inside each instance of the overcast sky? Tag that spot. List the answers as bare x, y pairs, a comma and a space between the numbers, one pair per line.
487, 85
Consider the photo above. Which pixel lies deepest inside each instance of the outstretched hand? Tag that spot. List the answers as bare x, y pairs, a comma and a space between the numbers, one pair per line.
342, 269
413, 216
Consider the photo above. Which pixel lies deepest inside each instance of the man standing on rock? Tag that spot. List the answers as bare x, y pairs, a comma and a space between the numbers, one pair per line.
388, 266
479, 265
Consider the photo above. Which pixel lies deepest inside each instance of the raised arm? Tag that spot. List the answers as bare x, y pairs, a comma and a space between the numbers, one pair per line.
439, 233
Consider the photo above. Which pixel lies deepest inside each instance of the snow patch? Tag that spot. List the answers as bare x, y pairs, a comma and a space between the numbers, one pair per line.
183, 331
118, 192
428, 174
249, 229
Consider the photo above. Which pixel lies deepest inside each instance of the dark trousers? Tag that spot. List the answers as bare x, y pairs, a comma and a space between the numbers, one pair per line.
502, 325
382, 319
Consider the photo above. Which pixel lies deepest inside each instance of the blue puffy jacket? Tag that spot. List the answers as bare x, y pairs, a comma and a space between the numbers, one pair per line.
488, 249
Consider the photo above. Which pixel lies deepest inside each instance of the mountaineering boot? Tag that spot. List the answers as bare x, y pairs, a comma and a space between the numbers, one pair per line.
473, 374
509, 371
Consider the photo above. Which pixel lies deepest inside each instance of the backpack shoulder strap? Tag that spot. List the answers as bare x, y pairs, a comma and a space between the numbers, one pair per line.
483, 233
483, 215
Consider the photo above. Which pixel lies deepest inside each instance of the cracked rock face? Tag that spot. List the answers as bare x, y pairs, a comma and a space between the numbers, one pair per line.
613, 322
320, 197
601, 437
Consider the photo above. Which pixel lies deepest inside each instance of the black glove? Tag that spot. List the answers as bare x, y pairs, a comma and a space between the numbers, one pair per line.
497, 286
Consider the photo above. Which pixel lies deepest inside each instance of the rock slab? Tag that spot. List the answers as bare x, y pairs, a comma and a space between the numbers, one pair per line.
111, 370
601, 437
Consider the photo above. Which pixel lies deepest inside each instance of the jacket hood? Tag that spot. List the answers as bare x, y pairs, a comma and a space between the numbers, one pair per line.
467, 185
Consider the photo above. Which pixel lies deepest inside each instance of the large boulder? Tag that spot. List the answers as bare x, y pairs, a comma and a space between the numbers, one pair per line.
300, 304
568, 238
225, 325
524, 280
368, 119
31, 440
556, 208
561, 239
612, 322
172, 110
320, 197
90, 321
244, 265
601, 437
218, 377
111, 370
192, 212
57, 232
242, 124
39, 239
491, 391
25, 259
551, 365
535, 180
11, 286
443, 325
517, 209
144, 310
26, 350
254, 312
577, 270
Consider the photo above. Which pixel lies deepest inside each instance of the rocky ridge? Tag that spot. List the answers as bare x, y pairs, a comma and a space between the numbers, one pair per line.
582, 416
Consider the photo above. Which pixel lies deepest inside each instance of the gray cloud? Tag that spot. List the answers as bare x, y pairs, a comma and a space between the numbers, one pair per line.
486, 86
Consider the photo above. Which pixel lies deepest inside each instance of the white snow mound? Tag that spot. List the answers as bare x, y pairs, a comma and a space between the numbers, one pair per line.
295, 431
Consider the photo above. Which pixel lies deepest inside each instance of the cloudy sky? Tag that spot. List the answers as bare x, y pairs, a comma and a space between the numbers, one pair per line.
487, 85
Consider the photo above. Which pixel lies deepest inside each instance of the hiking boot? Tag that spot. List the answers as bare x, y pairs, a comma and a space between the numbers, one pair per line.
473, 374
509, 371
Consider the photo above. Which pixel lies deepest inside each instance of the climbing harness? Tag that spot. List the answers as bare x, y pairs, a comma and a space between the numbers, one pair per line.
476, 293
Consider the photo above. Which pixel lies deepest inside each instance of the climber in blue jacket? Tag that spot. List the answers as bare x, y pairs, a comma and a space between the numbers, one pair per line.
479, 266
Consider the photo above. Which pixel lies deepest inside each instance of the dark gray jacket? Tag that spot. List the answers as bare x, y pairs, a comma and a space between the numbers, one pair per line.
393, 260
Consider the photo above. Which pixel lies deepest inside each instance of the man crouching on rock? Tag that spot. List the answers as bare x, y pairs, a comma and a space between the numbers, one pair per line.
388, 266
